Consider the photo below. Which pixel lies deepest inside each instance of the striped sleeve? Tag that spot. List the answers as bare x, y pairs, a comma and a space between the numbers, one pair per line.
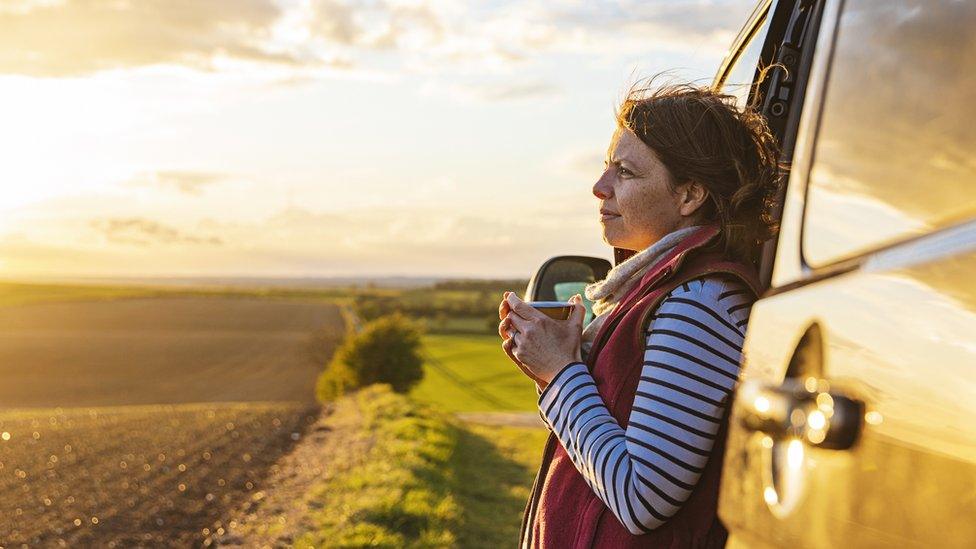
644, 473
538, 391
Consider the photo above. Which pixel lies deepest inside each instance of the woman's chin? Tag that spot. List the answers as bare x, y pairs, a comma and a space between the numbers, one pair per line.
611, 228
611, 238
616, 240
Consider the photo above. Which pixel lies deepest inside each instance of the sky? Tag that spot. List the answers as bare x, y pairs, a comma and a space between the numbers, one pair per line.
303, 138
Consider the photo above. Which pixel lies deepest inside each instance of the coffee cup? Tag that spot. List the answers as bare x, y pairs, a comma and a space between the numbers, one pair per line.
559, 310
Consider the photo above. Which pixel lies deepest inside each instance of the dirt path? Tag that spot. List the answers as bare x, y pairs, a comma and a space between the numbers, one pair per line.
333, 444
276, 516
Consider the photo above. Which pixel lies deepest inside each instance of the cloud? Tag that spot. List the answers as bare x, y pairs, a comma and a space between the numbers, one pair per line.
427, 241
494, 91
186, 182
516, 91
471, 45
389, 235
585, 163
513, 32
381, 25
314, 38
146, 232
299, 241
75, 37
689, 18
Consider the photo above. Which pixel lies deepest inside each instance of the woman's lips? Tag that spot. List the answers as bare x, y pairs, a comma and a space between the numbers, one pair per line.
604, 216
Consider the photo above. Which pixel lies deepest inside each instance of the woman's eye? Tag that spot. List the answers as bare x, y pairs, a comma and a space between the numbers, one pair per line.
625, 172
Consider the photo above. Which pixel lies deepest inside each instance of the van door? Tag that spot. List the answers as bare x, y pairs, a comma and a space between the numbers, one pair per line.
767, 68
853, 423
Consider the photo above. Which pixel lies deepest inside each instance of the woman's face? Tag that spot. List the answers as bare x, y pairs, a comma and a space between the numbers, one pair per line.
637, 207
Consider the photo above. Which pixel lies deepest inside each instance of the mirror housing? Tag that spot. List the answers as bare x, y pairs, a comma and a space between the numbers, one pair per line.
547, 282
562, 276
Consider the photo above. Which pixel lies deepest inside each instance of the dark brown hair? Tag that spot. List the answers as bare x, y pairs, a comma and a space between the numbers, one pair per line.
699, 134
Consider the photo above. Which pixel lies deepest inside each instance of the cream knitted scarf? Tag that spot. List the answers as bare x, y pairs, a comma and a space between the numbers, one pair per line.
607, 292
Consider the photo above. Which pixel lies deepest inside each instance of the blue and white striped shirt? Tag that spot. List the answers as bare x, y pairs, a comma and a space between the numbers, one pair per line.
644, 473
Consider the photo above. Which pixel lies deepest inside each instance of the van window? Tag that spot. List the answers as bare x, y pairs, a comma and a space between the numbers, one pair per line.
738, 79
894, 157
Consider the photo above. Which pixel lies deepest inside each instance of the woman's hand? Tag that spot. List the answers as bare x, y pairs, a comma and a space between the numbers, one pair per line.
506, 333
540, 346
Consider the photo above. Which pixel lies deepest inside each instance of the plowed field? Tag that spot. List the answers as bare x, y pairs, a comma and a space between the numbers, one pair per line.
148, 421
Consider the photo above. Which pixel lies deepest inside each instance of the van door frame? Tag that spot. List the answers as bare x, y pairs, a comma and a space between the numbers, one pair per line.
786, 19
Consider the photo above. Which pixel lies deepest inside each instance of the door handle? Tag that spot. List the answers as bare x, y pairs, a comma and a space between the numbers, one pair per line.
803, 409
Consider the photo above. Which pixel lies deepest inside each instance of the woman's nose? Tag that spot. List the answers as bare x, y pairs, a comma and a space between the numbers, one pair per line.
602, 189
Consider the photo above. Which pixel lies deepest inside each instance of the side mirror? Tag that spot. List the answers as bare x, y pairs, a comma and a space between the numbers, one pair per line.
562, 276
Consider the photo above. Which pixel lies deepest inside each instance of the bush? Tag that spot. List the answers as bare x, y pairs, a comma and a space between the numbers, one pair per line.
387, 350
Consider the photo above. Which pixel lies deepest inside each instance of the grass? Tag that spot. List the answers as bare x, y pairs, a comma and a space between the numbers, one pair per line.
400, 494
470, 373
494, 468
429, 480
425, 480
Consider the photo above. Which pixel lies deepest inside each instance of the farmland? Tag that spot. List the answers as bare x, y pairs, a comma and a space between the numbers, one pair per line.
470, 373
149, 420
162, 351
137, 475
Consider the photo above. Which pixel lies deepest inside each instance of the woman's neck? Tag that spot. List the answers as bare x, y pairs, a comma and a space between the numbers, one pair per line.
617, 279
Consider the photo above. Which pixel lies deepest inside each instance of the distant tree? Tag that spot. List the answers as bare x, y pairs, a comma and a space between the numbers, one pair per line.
371, 306
387, 350
493, 286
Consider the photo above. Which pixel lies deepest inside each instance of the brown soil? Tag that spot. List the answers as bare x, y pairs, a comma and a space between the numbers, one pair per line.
164, 351
147, 422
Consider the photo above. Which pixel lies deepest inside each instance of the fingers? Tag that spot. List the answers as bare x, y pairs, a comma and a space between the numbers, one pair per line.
503, 307
525, 324
504, 328
519, 323
579, 310
509, 347
522, 308
510, 350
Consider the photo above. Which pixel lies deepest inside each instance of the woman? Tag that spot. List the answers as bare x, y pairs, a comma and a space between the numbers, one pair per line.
637, 401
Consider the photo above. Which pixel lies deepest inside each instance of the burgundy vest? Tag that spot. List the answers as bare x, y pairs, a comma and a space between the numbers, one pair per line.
562, 511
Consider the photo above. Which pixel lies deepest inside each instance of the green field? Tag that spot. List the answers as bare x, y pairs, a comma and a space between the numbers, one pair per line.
460, 325
471, 373
492, 466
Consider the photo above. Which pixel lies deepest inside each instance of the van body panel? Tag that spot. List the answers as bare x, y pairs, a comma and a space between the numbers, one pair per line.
893, 328
898, 338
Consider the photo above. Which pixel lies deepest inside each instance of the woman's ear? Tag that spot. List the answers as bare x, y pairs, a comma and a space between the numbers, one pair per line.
693, 196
